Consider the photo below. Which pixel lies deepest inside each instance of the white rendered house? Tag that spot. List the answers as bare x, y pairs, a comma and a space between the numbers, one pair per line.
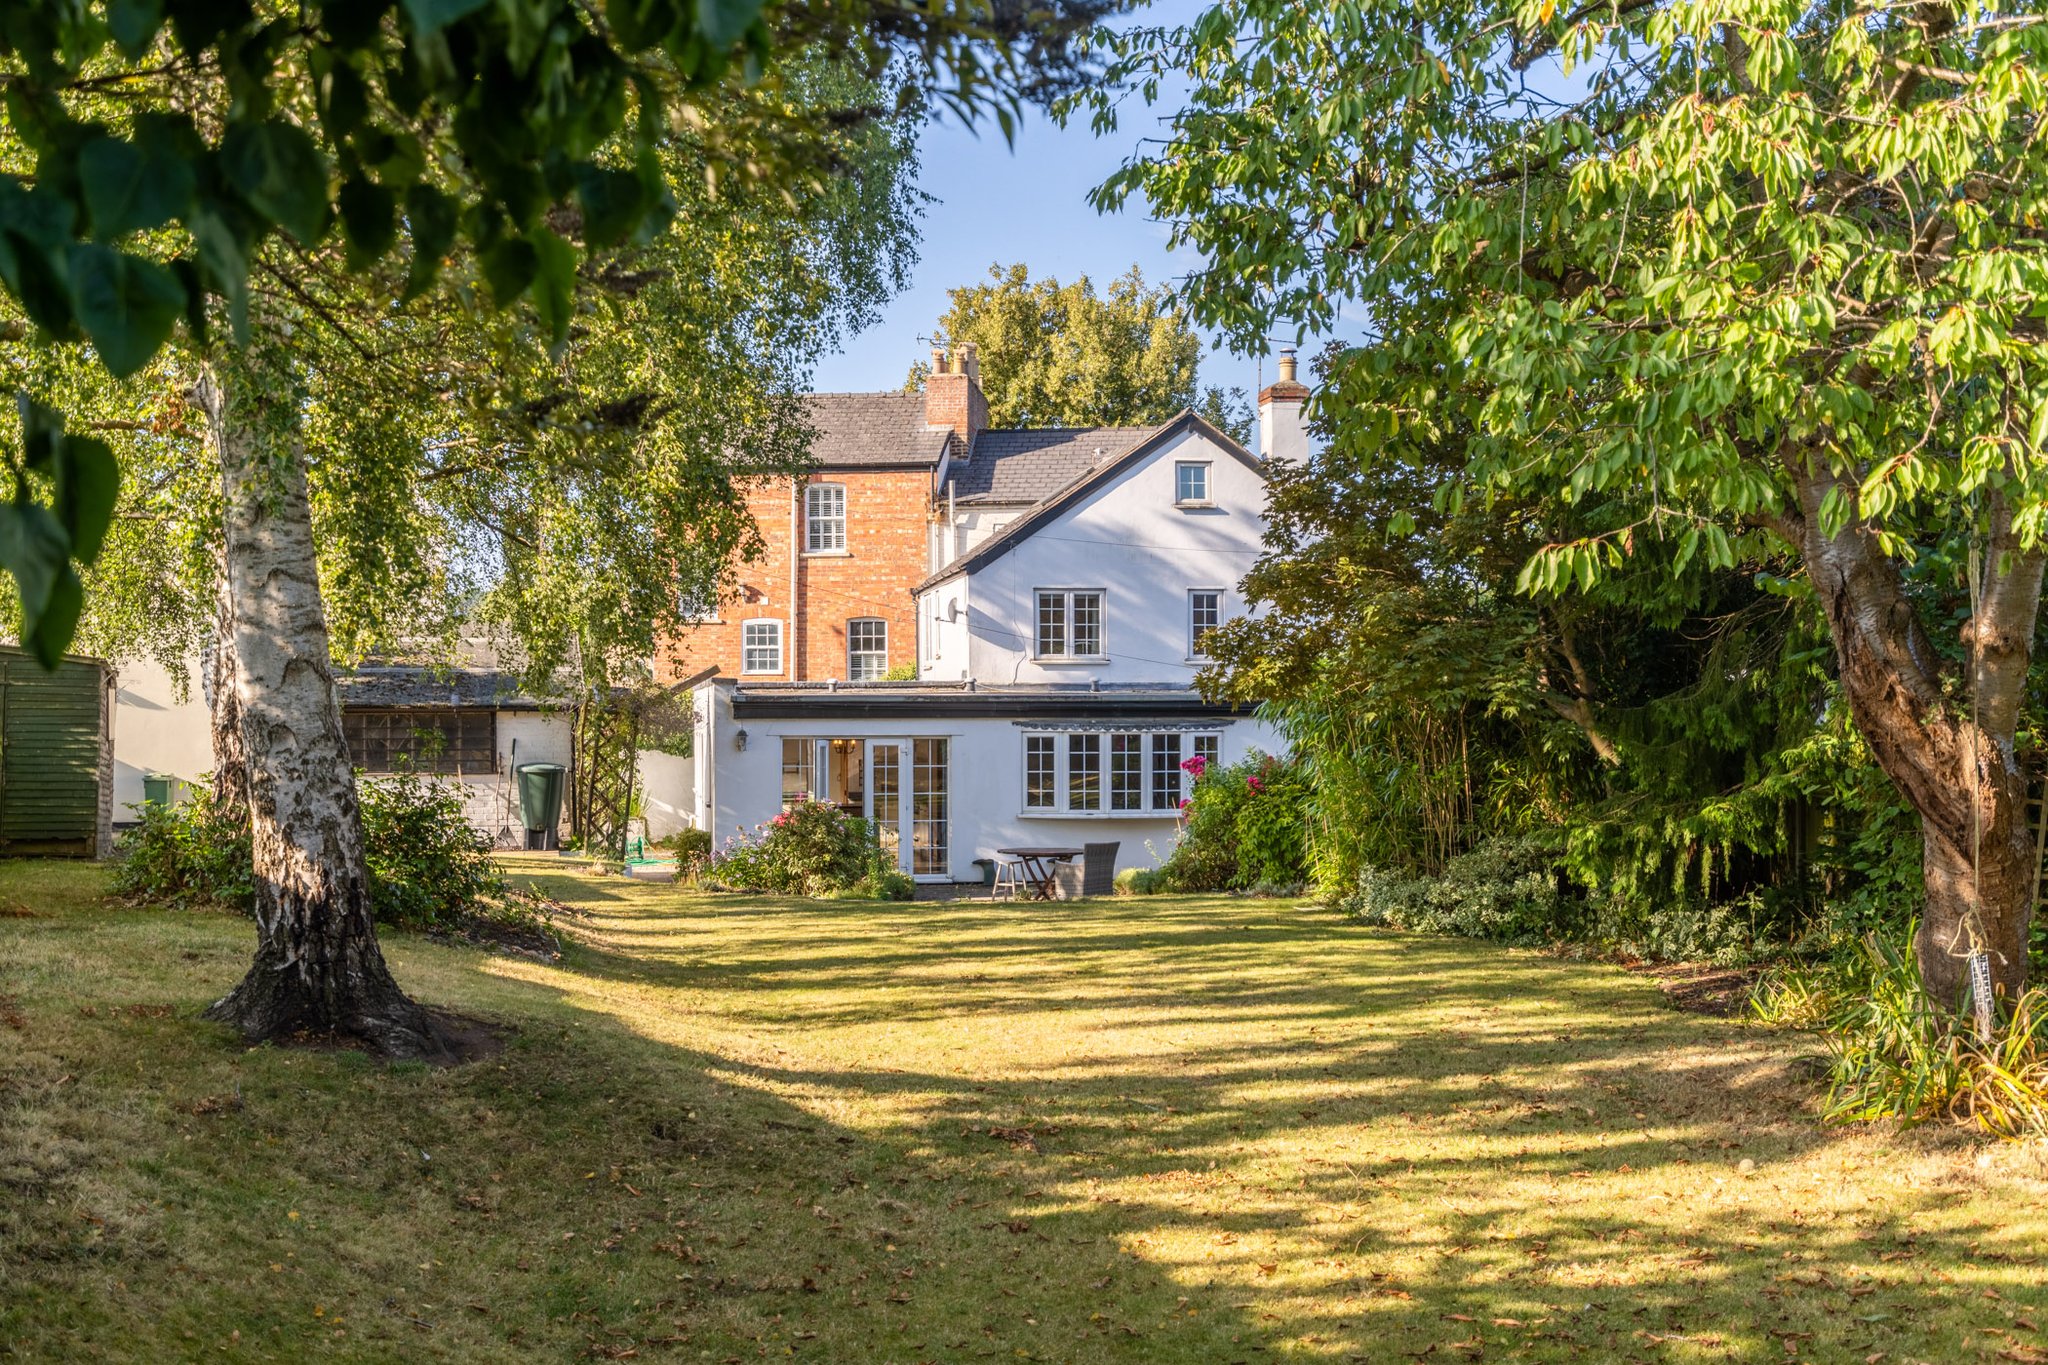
1059, 633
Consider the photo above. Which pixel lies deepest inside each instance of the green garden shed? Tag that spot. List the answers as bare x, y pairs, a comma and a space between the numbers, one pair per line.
56, 757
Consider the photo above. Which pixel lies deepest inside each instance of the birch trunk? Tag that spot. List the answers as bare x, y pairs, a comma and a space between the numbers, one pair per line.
318, 969
1953, 758
224, 708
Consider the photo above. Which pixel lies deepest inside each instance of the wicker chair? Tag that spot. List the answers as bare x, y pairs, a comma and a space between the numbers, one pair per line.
1098, 869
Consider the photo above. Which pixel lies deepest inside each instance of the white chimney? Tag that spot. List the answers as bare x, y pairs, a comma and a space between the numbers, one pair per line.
1282, 436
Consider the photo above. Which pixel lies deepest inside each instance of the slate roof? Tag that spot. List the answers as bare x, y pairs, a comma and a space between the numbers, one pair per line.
1023, 466
873, 431
391, 685
1007, 539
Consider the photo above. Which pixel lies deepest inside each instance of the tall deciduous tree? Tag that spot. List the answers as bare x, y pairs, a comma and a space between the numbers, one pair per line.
179, 145
1754, 269
1064, 355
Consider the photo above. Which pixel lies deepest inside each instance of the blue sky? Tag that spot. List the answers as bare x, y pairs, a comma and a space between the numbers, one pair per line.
991, 203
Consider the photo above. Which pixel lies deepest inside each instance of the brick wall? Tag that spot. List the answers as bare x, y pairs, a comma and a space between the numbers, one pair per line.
886, 551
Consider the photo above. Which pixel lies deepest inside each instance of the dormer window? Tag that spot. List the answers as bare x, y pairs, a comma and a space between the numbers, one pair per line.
1191, 483
825, 518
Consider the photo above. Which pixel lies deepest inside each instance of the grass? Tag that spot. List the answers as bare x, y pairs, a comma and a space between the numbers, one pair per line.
1168, 1129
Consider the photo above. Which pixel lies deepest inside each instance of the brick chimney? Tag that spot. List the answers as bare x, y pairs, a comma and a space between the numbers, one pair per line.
952, 394
1282, 434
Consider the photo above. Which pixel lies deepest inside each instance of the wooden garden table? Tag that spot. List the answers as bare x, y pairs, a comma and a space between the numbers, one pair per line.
1040, 865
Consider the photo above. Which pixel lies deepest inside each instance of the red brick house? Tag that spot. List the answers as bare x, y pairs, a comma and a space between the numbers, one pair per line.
830, 598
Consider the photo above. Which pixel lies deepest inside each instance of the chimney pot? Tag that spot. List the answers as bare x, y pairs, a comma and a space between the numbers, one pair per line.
1282, 434
953, 397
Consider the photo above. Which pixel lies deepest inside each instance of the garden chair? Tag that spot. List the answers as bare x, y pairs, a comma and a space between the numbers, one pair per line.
1009, 879
1098, 869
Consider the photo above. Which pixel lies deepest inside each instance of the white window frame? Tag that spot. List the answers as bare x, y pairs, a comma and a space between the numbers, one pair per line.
1056, 747
824, 530
1180, 497
1067, 654
1196, 630
698, 611
853, 673
1049, 745
746, 648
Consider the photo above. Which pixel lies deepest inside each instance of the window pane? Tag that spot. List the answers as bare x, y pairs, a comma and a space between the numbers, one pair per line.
1087, 623
929, 824
1191, 482
446, 740
1209, 748
1041, 771
1127, 772
1205, 610
1166, 772
796, 771
761, 647
1052, 623
887, 780
867, 649
825, 517
1084, 772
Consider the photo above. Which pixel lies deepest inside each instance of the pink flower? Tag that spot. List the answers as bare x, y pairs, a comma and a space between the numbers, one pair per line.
1185, 802
1254, 783
1195, 767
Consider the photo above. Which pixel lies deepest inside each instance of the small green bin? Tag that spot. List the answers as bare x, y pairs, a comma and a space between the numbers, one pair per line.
540, 801
156, 789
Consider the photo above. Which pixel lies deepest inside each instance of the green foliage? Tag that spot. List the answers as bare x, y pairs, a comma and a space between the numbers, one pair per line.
1896, 1053
810, 849
1746, 299
186, 855
171, 140
429, 868
1505, 890
1244, 827
1138, 881
1062, 355
692, 850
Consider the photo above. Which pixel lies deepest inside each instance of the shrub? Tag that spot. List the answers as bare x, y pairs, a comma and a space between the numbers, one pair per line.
1505, 890
187, 855
811, 849
1138, 881
429, 868
692, 848
1895, 1052
1246, 824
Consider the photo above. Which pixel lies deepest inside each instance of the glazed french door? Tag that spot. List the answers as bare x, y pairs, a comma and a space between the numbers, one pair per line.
886, 807
909, 801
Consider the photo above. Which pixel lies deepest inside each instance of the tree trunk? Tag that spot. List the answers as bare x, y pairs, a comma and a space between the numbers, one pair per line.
318, 969
224, 708
1951, 757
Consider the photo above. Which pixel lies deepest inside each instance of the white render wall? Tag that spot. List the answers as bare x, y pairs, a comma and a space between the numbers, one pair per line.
156, 731
1128, 539
668, 792
986, 774
491, 800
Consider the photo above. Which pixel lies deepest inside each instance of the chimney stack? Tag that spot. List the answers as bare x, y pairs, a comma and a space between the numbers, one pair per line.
952, 395
1282, 434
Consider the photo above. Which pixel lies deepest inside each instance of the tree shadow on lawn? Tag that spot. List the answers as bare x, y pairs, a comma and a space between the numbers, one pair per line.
1386, 1142
1301, 1142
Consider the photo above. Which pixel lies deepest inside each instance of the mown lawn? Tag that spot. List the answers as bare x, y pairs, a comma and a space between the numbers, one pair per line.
1158, 1130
